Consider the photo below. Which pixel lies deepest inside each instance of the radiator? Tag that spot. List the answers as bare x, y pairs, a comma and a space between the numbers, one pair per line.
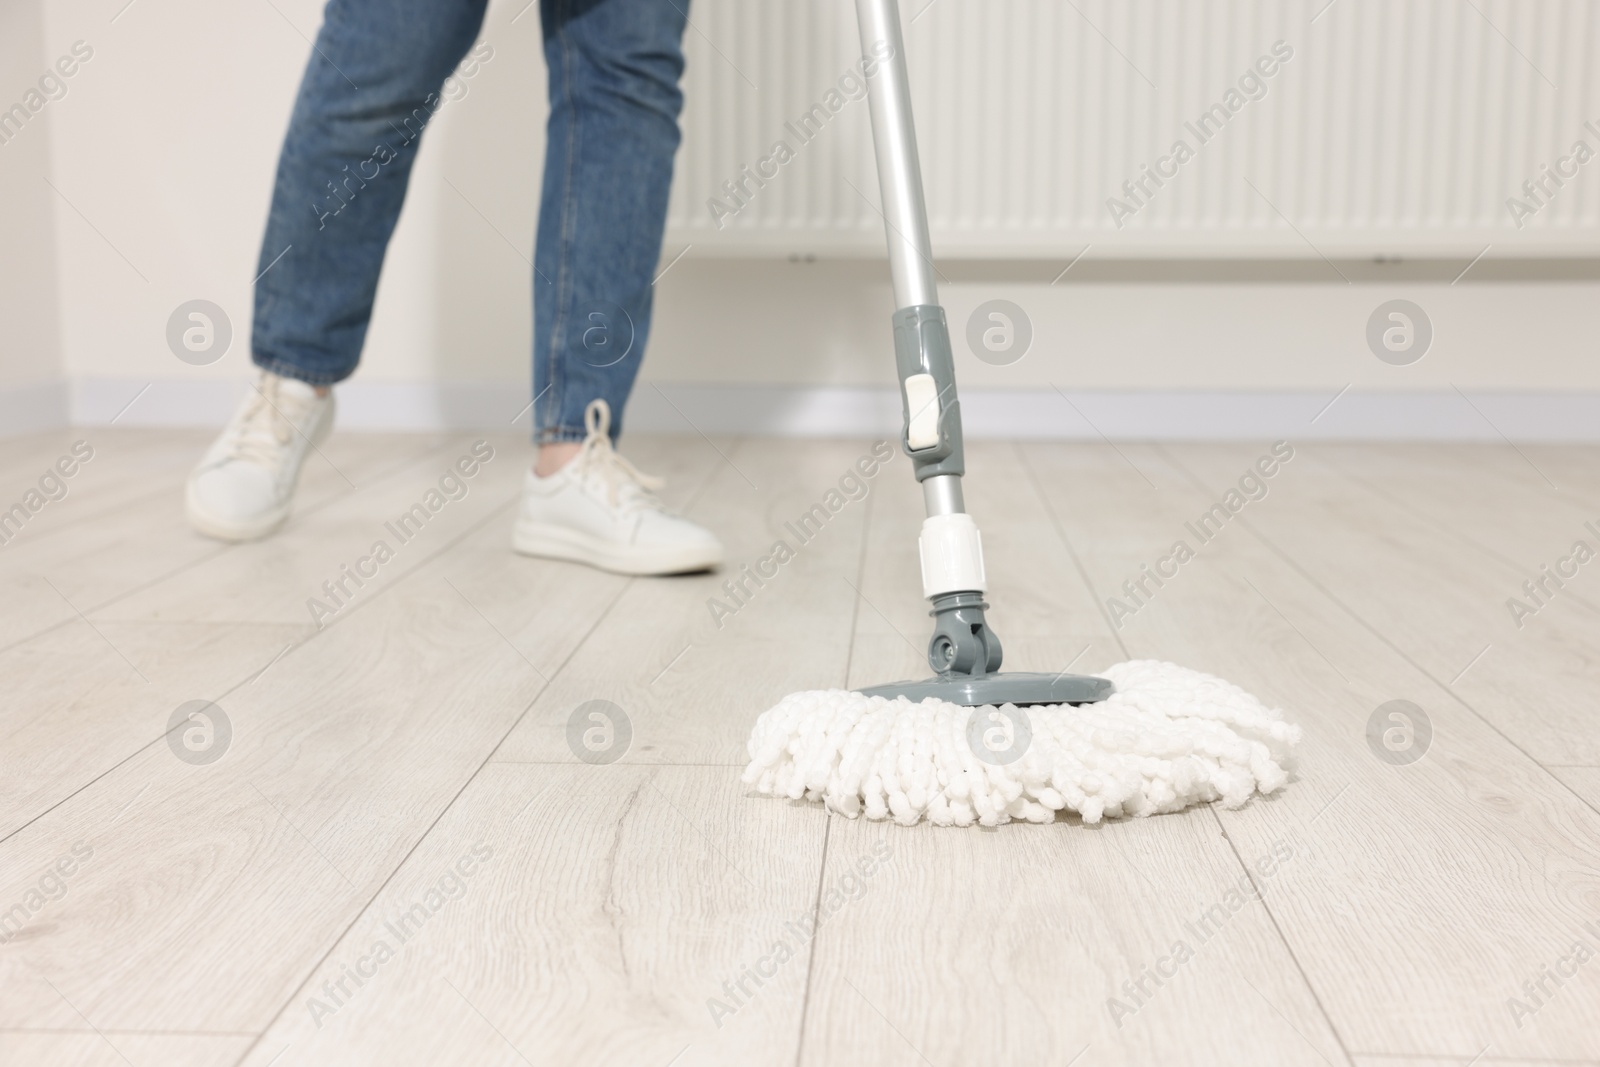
1360, 127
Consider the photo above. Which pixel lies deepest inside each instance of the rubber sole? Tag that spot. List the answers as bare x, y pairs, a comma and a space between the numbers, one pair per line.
223, 530
555, 542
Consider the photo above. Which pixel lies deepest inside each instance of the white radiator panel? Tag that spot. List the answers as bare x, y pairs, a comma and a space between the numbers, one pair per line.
1397, 127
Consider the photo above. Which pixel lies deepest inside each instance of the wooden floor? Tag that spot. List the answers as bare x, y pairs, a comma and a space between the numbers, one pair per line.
398, 858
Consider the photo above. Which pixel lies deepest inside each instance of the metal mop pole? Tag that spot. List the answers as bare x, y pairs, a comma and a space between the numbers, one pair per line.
905, 216
963, 652
962, 640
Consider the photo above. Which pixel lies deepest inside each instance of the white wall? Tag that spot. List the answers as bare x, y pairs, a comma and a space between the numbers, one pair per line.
30, 351
166, 144
1271, 325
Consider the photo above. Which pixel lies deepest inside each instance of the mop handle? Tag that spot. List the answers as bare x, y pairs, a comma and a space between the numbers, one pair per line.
931, 408
894, 137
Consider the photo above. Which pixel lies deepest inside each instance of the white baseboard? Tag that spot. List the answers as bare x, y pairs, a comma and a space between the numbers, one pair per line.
132, 402
34, 407
401, 406
821, 411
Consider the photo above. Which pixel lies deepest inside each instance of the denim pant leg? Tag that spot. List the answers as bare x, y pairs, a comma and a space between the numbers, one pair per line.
371, 87
613, 130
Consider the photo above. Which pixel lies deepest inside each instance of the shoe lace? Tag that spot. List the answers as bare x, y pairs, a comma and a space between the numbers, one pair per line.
264, 428
626, 485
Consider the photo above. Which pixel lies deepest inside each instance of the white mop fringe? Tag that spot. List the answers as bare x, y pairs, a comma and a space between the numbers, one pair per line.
1167, 739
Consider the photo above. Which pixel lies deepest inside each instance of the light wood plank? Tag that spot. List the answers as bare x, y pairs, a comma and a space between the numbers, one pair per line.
1442, 600
617, 902
1433, 886
76, 707
117, 1049
1535, 672
1013, 946
1526, 525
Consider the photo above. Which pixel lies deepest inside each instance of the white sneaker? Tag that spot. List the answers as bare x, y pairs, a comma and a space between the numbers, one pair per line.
600, 510
244, 485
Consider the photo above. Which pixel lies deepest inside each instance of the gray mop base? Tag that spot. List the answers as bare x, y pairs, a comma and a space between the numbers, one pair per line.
1017, 687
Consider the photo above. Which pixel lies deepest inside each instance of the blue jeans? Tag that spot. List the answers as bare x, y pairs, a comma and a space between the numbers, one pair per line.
376, 77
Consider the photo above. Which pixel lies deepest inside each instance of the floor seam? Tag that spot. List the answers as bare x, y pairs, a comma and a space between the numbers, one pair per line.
811, 957
1283, 939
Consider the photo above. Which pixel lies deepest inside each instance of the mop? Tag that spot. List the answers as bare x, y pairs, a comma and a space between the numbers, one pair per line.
973, 744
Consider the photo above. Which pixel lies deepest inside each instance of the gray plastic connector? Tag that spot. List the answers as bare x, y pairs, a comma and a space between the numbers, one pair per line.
922, 347
962, 642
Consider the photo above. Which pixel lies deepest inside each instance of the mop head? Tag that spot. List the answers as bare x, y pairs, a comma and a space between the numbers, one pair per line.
1167, 739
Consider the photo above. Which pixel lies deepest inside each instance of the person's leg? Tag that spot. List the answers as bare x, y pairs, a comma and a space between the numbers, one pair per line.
613, 130
614, 103
375, 79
